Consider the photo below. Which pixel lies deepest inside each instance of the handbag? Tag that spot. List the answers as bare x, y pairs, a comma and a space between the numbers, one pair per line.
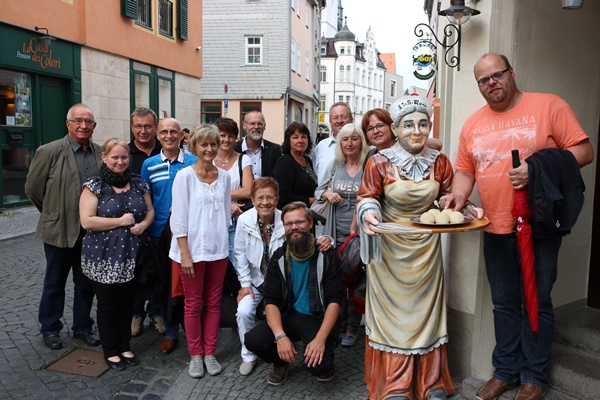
322, 207
147, 262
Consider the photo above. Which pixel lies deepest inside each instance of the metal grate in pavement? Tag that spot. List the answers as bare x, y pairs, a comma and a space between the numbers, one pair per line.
80, 362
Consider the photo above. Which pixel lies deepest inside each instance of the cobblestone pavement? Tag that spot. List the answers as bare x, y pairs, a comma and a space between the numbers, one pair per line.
23, 356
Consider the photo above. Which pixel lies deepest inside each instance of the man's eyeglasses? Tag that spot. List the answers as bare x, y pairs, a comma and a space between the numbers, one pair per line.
144, 127
292, 223
268, 199
78, 121
496, 77
166, 132
341, 118
259, 124
379, 127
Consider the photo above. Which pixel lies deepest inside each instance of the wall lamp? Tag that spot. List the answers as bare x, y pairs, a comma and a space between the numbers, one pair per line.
46, 39
458, 14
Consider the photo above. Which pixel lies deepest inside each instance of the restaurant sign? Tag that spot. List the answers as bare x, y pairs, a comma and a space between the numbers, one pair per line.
27, 50
424, 59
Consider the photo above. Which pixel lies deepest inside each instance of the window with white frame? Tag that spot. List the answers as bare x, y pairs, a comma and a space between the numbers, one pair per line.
298, 59
165, 17
253, 50
144, 13
307, 72
322, 103
393, 88
348, 98
323, 73
342, 73
348, 73
293, 55
342, 50
323, 50
306, 13
340, 98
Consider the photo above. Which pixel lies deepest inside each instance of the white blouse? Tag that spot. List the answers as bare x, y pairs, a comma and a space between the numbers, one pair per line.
201, 212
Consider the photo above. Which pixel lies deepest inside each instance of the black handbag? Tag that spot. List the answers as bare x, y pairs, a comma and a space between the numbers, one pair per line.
147, 262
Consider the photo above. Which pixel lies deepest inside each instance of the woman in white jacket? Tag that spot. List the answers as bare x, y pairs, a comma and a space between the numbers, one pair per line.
258, 234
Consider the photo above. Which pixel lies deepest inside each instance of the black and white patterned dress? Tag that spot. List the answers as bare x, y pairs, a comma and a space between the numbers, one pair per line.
109, 256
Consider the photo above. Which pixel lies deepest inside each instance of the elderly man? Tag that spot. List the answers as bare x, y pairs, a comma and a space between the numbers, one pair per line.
159, 172
339, 115
303, 291
143, 122
529, 122
53, 185
262, 153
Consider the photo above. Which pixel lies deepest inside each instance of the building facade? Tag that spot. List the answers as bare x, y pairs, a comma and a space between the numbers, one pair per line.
351, 72
113, 56
261, 55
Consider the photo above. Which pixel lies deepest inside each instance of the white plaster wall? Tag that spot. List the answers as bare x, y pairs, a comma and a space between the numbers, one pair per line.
105, 89
187, 100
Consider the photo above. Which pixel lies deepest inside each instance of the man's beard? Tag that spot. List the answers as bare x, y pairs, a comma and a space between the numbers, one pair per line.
255, 136
297, 244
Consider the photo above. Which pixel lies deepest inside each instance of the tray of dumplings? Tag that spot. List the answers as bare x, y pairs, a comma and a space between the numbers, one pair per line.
433, 221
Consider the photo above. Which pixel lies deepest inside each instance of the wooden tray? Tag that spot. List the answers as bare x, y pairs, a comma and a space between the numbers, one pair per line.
408, 227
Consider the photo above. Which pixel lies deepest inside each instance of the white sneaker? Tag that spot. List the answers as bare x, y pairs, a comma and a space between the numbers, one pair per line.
247, 367
212, 365
136, 326
196, 368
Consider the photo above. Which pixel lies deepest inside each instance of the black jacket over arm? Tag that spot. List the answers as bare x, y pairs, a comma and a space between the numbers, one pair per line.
295, 184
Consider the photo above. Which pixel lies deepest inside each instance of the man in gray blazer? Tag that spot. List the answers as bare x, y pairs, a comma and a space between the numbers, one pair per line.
53, 185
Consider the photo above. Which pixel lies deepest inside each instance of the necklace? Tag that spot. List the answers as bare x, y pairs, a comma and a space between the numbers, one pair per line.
224, 163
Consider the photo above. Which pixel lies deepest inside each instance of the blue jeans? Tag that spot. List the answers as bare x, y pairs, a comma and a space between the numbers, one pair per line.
518, 354
59, 261
231, 237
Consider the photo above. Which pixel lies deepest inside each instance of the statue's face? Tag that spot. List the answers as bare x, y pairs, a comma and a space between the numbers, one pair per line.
412, 132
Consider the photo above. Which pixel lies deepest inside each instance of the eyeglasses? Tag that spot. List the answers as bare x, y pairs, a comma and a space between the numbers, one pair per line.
166, 132
144, 127
292, 223
421, 126
379, 127
78, 121
259, 124
496, 77
340, 118
268, 199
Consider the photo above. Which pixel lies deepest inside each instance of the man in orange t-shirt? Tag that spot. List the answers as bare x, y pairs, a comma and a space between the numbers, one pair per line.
529, 122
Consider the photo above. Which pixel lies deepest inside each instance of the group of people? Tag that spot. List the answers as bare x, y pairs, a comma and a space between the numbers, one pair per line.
246, 203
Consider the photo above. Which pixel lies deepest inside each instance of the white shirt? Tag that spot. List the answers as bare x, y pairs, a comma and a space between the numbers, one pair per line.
323, 156
199, 212
255, 158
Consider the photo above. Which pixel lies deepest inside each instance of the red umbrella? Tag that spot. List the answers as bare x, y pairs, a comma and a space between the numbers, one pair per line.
522, 213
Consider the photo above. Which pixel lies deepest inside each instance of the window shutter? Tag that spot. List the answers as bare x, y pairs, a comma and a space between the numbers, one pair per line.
182, 17
129, 8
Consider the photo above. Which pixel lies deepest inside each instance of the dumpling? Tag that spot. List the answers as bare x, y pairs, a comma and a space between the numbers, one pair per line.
427, 218
456, 217
442, 218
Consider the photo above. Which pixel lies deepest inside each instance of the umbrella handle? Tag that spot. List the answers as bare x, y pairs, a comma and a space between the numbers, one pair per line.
516, 162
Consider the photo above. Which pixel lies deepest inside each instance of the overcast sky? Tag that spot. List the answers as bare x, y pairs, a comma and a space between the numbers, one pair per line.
393, 23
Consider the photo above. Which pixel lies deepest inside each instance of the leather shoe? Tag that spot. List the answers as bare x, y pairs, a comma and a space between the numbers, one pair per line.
530, 392
116, 365
130, 360
53, 342
88, 338
493, 388
168, 345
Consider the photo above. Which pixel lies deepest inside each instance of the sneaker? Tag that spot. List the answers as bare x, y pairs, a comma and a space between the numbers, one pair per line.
348, 340
196, 368
247, 367
159, 324
278, 375
212, 365
327, 376
136, 326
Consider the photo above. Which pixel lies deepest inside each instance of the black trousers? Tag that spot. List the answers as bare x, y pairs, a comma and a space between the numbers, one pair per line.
114, 316
260, 340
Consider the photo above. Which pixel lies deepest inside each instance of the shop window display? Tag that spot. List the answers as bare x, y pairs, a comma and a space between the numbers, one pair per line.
15, 98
